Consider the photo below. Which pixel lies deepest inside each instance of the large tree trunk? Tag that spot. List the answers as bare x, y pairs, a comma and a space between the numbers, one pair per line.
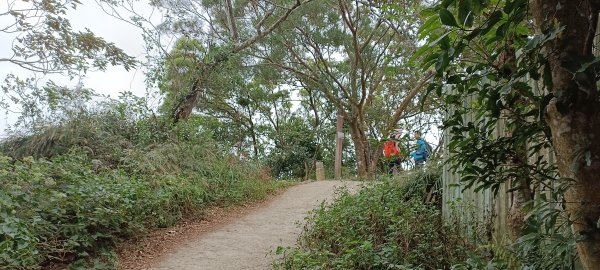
361, 147
574, 116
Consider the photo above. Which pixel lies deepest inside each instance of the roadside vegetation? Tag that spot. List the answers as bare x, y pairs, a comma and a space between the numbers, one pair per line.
70, 191
396, 224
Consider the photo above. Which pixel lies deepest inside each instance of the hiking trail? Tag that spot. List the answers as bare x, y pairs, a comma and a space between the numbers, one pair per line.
250, 241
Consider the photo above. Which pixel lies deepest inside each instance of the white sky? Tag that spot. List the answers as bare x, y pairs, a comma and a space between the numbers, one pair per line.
111, 82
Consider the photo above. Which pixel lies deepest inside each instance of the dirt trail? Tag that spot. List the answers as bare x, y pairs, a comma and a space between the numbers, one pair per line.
250, 242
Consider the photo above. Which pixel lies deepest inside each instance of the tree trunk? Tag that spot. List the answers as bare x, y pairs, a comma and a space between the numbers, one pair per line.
375, 157
521, 194
361, 147
574, 116
520, 189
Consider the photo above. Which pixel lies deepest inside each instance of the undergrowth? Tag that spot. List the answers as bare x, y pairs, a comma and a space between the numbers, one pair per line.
70, 192
396, 224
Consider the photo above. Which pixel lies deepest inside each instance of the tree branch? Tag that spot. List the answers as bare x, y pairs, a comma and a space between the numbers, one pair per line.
406, 101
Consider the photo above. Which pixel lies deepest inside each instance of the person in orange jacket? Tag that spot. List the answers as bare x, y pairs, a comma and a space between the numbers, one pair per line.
392, 152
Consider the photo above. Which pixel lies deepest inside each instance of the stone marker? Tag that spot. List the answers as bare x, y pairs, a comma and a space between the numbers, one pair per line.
320, 170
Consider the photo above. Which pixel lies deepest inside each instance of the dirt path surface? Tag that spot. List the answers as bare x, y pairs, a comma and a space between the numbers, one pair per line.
250, 241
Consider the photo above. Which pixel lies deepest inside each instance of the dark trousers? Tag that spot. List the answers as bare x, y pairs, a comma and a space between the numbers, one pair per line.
419, 162
394, 165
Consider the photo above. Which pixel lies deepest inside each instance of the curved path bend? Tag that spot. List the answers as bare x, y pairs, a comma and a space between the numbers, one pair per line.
250, 242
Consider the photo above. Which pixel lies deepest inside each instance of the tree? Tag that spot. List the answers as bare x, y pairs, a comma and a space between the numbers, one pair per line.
351, 52
554, 41
45, 42
225, 28
245, 98
573, 114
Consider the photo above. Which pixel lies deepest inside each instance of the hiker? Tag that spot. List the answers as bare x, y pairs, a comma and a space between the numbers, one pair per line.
422, 151
392, 152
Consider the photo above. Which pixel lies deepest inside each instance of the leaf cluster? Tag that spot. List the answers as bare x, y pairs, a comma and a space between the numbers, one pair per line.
496, 81
45, 41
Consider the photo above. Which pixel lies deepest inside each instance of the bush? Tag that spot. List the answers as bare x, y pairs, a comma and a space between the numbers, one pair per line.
385, 226
62, 210
104, 176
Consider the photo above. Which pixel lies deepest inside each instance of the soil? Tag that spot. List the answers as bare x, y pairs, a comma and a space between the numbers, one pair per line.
240, 237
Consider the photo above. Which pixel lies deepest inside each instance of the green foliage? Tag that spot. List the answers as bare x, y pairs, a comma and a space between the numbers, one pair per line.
487, 91
386, 226
297, 149
548, 241
45, 41
495, 77
106, 175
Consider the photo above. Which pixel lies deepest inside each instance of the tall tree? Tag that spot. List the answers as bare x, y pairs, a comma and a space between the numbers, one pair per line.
573, 114
226, 28
348, 50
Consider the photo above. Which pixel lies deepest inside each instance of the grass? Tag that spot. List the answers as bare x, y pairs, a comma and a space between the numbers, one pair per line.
68, 196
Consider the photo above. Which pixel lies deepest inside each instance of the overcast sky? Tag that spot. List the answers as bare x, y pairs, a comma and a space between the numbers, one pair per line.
114, 79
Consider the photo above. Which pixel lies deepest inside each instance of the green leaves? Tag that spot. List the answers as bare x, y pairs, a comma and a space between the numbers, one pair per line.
111, 175
447, 18
466, 13
45, 41
371, 229
467, 10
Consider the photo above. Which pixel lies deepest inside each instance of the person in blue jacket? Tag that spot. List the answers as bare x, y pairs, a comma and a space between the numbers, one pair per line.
420, 154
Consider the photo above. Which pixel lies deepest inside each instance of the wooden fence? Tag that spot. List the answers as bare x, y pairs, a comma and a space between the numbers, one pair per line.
484, 208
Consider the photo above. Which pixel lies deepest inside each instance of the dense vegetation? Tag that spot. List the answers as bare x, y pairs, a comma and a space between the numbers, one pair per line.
396, 224
69, 192
248, 89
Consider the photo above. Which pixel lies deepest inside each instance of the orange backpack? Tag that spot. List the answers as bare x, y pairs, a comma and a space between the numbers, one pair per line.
390, 149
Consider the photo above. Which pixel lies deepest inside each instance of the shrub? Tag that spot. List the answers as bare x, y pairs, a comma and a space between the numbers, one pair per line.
77, 179
386, 226
62, 210
102, 177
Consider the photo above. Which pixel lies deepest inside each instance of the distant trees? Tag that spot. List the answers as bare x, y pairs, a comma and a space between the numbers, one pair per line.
348, 54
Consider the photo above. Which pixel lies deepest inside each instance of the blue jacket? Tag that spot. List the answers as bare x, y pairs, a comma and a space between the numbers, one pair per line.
420, 152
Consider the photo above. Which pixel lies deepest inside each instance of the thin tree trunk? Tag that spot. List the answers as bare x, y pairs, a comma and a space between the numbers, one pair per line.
253, 133
521, 192
574, 116
375, 157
